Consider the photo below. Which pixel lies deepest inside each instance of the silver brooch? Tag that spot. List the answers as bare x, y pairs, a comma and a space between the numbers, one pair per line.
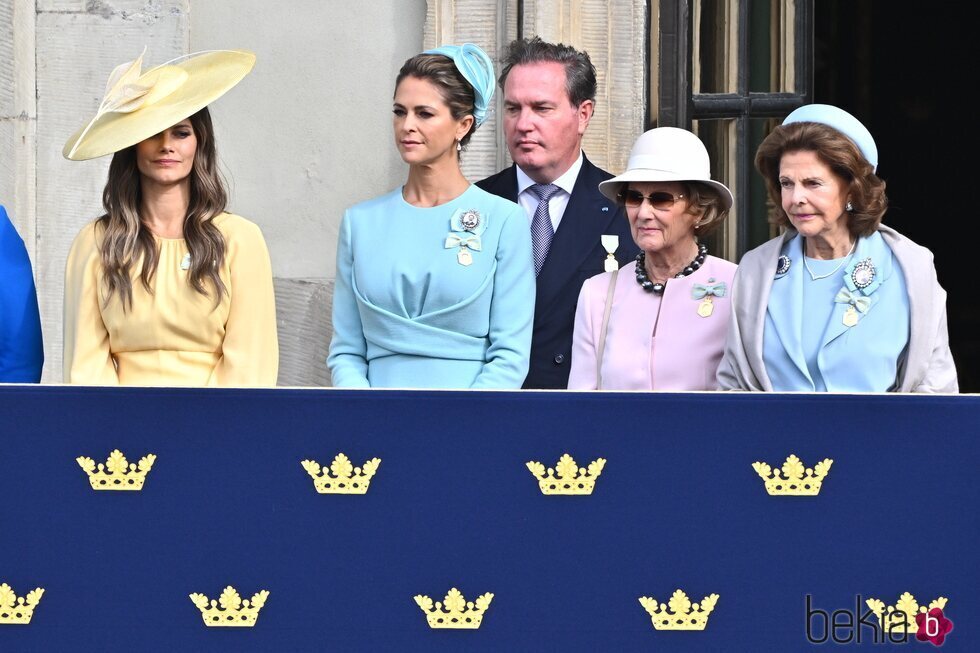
863, 274
470, 219
782, 265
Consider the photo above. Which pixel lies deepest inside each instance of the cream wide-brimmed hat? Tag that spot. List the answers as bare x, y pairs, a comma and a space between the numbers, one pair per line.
139, 105
667, 154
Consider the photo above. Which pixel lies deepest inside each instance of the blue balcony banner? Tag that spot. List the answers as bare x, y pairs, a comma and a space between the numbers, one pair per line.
677, 506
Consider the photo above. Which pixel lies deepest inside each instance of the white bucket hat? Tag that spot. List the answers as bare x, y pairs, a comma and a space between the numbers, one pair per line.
667, 154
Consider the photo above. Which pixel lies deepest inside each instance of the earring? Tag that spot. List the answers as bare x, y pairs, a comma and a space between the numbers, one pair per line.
848, 207
459, 146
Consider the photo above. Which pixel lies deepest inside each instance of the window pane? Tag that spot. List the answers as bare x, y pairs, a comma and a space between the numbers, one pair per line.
749, 215
719, 137
771, 38
715, 47
758, 207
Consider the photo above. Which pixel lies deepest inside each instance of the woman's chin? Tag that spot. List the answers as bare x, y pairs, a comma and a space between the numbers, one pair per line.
807, 227
650, 242
657, 245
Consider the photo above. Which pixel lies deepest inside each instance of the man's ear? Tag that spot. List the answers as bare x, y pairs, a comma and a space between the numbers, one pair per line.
585, 115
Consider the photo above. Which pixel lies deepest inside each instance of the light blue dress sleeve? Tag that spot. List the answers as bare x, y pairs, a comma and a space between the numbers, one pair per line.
347, 359
511, 307
21, 349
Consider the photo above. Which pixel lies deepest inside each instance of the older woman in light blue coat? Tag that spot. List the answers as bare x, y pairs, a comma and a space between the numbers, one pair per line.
839, 302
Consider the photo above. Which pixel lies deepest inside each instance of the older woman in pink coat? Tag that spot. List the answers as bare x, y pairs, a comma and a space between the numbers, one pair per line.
660, 322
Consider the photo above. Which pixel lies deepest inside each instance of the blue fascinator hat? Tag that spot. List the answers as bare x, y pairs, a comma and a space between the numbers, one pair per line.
477, 69
843, 122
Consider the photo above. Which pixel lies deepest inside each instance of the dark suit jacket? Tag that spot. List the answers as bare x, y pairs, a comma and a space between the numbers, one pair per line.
576, 254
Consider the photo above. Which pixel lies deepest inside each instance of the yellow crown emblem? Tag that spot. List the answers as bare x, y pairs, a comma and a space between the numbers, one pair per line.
346, 478
17, 610
233, 611
683, 615
454, 612
796, 479
900, 618
117, 473
567, 477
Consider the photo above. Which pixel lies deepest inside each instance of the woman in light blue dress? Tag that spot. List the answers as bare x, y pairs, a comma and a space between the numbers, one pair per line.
435, 280
21, 351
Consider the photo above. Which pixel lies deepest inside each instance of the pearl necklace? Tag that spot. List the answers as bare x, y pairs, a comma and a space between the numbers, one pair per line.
657, 288
814, 277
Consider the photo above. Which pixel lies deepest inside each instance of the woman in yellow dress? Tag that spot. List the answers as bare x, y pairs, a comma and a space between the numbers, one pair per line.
167, 288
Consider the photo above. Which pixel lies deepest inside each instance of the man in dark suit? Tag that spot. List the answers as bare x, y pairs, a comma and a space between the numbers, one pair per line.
549, 96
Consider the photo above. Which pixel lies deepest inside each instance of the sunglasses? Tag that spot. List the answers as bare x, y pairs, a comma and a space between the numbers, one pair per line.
659, 200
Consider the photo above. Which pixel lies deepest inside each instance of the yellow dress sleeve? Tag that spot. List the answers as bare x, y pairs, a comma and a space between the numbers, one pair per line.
87, 359
250, 350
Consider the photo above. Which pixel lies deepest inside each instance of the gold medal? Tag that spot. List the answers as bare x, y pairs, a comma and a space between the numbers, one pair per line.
706, 307
464, 257
850, 316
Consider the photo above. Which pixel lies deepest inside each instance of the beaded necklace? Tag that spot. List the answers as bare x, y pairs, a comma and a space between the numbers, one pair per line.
657, 288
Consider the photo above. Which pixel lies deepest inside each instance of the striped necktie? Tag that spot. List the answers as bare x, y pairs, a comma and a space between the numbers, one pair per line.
542, 230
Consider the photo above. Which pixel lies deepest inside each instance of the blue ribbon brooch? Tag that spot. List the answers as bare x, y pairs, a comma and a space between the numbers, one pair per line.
705, 291
860, 280
702, 290
466, 227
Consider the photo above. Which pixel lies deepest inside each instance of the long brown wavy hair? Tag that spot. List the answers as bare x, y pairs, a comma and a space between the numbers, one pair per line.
127, 240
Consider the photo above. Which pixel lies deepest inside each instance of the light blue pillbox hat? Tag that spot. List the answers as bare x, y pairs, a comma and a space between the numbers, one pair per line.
477, 69
843, 122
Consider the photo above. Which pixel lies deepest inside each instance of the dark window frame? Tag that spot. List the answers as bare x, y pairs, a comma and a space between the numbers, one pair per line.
679, 106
